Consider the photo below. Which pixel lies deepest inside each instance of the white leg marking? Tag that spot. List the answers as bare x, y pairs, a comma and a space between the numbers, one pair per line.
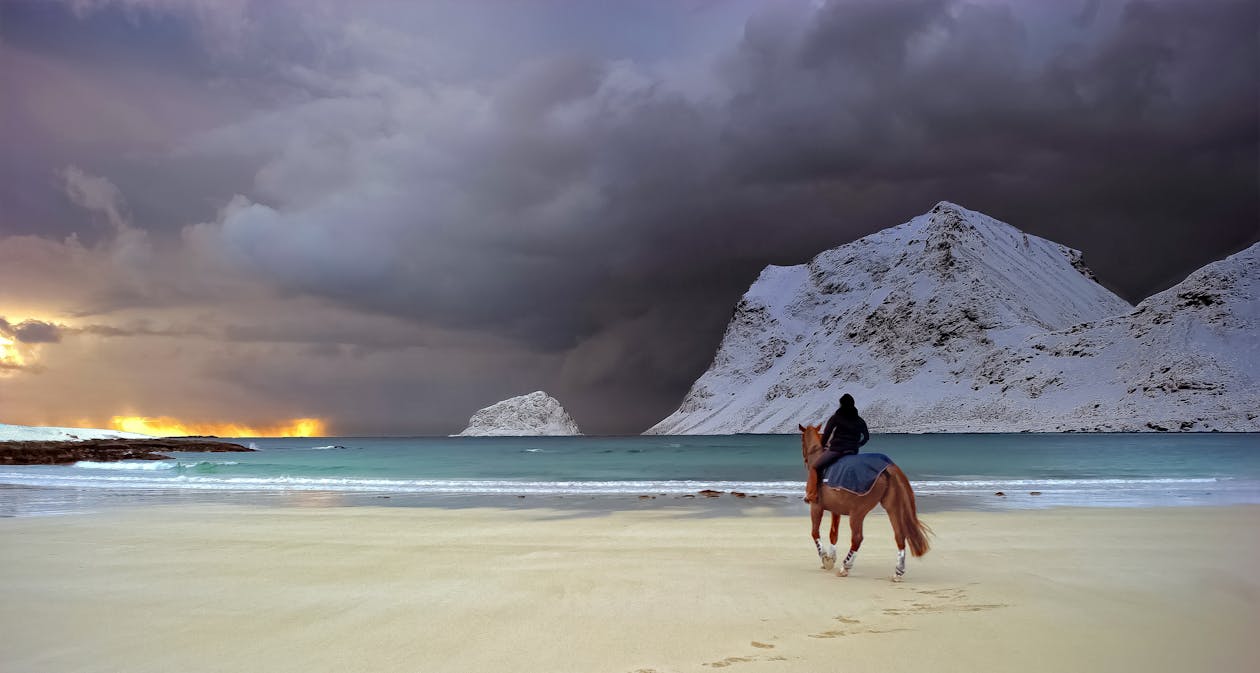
849, 559
901, 565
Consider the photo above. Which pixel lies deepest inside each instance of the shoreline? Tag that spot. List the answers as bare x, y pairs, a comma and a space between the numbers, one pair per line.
21, 501
238, 587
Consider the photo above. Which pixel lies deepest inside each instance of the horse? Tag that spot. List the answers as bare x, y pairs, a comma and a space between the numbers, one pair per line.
891, 490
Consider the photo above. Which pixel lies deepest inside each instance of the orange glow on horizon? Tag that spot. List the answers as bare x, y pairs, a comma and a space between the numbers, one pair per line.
165, 426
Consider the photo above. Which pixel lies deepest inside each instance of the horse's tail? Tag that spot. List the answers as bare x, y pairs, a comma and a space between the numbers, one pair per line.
903, 508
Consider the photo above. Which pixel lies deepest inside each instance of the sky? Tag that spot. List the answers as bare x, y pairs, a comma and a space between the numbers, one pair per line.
385, 216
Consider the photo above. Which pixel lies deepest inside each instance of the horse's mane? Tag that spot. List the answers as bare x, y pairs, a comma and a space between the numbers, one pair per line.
811, 441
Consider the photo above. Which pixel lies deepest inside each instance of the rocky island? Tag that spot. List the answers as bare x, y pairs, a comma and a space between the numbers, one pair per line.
533, 415
27, 445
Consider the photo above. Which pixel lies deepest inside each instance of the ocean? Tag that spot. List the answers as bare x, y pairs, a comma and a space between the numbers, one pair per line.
954, 471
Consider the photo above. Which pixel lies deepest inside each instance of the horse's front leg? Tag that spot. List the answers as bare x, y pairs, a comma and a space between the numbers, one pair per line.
855, 542
829, 557
811, 485
815, 517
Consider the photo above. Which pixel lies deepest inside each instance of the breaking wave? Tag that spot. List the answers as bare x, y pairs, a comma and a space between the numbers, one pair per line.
148, 465
152, 465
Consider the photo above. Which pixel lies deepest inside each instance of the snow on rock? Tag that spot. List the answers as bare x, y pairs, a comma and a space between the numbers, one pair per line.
534, 414
1187, 358
956, 322
31, 433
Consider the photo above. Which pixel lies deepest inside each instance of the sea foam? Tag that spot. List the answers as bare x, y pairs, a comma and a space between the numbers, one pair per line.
148, 465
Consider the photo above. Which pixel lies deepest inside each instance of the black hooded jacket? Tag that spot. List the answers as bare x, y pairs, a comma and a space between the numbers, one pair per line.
845, 433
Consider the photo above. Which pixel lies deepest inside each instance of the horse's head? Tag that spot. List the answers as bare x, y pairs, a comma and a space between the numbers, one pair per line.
811, 441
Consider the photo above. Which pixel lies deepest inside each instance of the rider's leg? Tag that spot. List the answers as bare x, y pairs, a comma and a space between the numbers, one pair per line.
821, 463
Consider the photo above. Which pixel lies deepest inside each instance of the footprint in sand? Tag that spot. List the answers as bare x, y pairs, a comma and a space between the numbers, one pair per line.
764, 646
727, 662
948, 607
952, 599
939, 592
740, 660
837, 633
947, 592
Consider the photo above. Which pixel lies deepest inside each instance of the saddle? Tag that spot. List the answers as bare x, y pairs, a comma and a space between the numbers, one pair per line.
856, 473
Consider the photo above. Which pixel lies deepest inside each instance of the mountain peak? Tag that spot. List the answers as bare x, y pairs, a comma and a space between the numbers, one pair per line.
949, 205
948, 211
1225, 292
911, 317
952, 223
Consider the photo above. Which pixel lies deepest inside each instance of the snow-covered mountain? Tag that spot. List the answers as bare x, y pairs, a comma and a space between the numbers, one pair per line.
1187, 358
33, 433
956, 322
526, 415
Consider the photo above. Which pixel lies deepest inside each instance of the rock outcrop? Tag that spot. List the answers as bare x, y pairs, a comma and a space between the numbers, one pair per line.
535, 414
104, 450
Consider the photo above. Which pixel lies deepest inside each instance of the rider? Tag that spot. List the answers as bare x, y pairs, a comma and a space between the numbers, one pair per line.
843, 435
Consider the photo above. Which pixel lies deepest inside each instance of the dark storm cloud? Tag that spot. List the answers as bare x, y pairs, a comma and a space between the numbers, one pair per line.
606, 210
31, 331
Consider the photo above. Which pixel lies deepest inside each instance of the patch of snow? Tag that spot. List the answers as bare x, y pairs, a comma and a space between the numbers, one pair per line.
32, 433
535, 414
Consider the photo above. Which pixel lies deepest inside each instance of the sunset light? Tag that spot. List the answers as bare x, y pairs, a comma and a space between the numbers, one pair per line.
10, 356
165, 426
378, 335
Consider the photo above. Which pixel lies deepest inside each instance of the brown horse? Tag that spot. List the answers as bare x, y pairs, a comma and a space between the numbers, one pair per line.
891, 490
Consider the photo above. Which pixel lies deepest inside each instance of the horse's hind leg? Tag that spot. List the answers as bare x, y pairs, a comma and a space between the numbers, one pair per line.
899, 537
892, 506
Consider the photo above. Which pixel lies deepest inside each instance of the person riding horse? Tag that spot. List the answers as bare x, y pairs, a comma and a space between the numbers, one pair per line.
843, 435
890, 488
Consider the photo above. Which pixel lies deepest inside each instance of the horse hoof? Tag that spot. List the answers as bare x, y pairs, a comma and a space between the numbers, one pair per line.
829, 562
896, 577
842, 572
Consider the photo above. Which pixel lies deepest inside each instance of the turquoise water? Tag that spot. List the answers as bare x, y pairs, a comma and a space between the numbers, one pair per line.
948, 471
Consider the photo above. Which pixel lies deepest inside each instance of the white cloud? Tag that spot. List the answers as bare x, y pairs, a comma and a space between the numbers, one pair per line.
96, 194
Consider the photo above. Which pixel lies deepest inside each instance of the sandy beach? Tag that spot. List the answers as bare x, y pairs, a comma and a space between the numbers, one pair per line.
228, 588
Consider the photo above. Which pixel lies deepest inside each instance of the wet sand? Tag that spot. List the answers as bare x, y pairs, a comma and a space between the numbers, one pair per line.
256, 588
